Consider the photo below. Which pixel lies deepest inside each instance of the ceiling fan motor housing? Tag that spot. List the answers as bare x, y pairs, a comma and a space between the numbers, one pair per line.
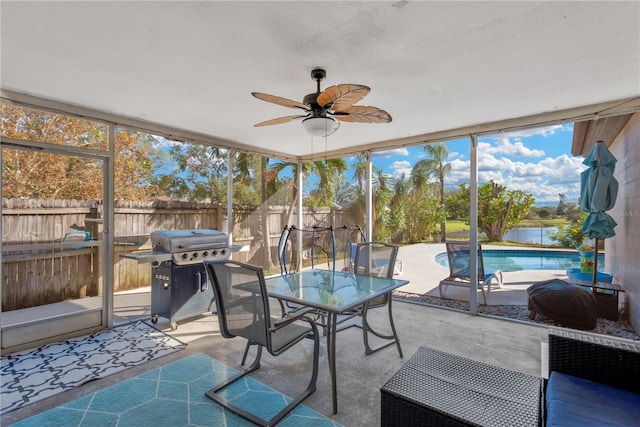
337, 105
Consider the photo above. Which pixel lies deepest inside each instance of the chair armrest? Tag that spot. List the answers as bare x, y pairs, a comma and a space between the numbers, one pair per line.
614, 362
291, 317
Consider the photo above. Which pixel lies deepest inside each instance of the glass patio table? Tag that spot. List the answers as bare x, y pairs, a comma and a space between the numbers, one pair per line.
334, 293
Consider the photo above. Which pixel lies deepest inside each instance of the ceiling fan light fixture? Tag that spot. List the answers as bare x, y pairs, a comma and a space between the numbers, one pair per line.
320, 126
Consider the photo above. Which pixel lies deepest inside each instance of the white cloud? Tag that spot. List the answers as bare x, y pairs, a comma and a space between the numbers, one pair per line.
525, 133
544, 179
506, 147
390, 153
400, 167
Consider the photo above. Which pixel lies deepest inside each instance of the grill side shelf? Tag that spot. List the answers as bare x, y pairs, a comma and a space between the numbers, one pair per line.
148, 257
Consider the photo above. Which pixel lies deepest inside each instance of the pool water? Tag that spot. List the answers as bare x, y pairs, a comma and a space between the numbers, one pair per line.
527, 259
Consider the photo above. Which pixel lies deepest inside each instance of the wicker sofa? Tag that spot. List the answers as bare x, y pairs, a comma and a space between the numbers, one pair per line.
593, 381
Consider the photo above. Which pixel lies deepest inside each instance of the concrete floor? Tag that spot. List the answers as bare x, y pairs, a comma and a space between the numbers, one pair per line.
511, 345
508, 344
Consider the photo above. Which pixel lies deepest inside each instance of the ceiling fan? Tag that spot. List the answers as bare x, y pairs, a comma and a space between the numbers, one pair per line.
326, 109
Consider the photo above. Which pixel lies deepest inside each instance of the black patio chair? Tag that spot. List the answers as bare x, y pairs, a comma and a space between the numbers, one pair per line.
243, 311
377, 259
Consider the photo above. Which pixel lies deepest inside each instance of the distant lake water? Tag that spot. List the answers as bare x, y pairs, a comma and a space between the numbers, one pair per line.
533, 235
538, 236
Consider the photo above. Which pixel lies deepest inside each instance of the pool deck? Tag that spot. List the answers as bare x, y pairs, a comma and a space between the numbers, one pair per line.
424, 274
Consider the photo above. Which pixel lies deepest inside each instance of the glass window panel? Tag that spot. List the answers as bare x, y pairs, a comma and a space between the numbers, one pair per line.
43, 126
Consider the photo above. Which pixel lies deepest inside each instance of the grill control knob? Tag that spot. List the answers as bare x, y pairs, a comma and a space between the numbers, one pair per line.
222, 252
215, 252
185, 256
195, 254
205, 253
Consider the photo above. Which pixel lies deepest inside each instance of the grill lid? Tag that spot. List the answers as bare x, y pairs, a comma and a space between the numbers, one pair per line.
183, 240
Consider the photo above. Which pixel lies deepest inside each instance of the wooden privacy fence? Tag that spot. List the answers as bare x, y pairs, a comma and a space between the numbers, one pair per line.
39, 268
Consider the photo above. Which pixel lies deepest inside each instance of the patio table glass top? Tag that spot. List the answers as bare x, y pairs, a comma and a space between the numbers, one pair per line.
328, 290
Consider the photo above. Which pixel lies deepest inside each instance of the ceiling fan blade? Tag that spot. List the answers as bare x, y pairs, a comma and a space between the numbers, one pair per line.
360, 114
279, 120
280, 101
342, 96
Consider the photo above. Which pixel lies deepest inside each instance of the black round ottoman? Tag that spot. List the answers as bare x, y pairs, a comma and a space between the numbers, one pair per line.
567, 304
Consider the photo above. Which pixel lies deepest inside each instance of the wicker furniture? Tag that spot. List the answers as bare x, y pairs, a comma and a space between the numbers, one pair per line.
604, 362
439, 389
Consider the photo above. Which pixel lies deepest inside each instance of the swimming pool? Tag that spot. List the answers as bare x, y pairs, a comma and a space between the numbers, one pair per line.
527, 259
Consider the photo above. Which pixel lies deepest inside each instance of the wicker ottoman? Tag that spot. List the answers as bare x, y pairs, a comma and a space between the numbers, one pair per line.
439, 389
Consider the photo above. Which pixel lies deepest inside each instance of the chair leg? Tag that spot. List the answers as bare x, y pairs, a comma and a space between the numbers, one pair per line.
485, 296
246, 352
366, 329
255, 365
312, 383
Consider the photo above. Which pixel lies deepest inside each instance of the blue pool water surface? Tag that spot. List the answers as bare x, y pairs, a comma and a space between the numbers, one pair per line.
526, 259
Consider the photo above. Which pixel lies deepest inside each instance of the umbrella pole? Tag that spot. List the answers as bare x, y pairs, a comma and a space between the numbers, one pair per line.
595, 264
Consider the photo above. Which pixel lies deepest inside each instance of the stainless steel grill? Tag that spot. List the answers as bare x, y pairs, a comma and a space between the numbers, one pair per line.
180, 287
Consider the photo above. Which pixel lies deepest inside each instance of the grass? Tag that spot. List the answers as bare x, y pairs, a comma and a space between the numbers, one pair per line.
456, 226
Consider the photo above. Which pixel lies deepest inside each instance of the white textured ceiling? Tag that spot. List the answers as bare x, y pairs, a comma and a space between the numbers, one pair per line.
434, 66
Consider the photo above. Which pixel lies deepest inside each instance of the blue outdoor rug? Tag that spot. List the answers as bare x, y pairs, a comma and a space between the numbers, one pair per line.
173, 395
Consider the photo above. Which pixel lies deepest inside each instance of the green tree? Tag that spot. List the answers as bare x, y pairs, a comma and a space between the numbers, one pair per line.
546, 212
570, 236
457, 203
561, 207
436, 166
423, 216
327, 172
499, 209
574, 212
381, 195
200, 173
396, 218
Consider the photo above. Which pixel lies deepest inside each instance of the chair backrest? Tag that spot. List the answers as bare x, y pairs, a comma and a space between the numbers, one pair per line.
459, 255
375, 259
347, 239
242, 300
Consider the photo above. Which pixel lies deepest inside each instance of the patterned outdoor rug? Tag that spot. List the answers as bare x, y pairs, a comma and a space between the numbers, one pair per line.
33, 375
173, 396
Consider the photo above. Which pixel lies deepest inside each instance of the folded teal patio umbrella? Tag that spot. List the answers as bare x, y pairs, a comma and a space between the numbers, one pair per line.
598, 192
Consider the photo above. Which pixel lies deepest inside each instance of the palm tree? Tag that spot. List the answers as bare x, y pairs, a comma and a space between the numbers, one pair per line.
381, 199
434, 165
328, 171
360, 170
396, 219
246, 165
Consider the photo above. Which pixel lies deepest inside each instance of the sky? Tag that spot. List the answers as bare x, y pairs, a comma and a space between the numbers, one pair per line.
535, 161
